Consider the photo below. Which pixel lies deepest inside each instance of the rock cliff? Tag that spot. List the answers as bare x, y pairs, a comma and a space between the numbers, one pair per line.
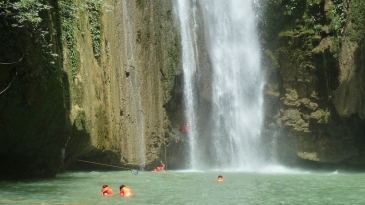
314, 55
120, 96
100, 96
106, 86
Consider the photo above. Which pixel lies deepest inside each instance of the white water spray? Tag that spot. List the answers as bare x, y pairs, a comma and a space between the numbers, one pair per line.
189, 53
228, 134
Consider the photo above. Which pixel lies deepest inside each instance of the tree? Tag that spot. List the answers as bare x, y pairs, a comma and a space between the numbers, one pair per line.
20, 29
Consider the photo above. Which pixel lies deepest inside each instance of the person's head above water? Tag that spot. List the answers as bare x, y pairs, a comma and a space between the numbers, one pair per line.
125, 191
106, 190
220, 178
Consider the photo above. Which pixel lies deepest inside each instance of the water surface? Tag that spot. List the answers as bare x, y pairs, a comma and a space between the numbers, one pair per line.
181, 187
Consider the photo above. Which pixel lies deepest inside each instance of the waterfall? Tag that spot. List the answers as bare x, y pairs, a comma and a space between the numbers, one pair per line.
189, 52
223, 83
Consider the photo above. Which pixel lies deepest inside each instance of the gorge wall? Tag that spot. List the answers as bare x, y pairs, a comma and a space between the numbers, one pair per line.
97, 94
106, 86
119, 97
314, 99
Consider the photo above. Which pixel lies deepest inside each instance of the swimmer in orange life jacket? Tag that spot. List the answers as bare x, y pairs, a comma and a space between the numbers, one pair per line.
106, 191
160, 169
220, 179
124, 191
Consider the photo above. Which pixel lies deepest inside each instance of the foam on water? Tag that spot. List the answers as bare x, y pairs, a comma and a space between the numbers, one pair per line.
269, 169
189, 171
278, 169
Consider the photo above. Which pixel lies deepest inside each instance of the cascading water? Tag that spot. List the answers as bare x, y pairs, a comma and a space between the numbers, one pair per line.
225, 127
189, 54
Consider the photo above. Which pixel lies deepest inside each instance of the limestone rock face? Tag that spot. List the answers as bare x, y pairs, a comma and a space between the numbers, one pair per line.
319, 112
349, 97
103, 94
122, 96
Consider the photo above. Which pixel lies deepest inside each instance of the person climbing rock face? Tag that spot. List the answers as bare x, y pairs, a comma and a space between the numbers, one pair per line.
160, 169
106, 191
124, 191
185, 128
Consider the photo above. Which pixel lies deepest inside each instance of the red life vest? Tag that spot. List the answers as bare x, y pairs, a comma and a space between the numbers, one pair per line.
184, 128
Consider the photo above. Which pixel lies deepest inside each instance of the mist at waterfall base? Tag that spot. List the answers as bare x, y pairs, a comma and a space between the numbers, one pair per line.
223, 84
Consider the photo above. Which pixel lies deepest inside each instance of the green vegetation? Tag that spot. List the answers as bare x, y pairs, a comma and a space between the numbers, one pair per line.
338, 18
36, 110
21, 18
291, 7
68, 16
296, 23
307, 36
94, 8
357, 18
33, 109
39, 57
141, 3
94, 11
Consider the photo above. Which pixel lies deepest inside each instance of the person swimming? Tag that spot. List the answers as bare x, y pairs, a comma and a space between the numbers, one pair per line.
124, 191
220, 179
160, 169
106, 191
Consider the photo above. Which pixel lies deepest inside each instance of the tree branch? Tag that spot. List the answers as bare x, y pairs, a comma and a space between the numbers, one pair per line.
16, 73
7, 14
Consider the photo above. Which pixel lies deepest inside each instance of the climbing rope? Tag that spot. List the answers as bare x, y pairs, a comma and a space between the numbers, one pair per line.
108, 165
